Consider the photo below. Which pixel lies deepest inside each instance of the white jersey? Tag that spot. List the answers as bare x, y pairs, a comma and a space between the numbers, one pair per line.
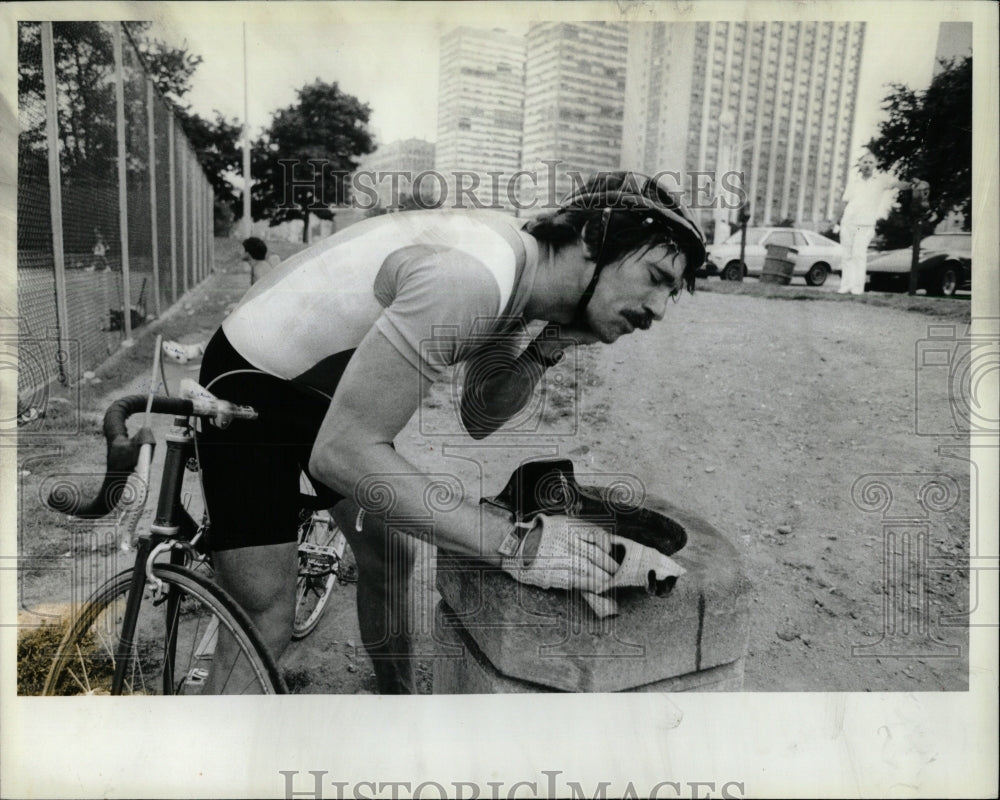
435, 283
868, 200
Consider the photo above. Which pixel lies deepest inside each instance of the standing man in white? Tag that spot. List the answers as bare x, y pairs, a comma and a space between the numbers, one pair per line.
868, 197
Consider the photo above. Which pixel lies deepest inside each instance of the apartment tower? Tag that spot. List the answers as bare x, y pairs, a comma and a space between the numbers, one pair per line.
480, 114
772, 101
573, 104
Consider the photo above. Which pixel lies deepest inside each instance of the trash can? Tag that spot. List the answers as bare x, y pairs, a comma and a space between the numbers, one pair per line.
779, 263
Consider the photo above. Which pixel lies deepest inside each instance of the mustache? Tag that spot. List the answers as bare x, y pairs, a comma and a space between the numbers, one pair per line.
637, 320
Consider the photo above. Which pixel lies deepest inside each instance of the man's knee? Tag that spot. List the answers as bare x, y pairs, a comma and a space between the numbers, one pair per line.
261, 579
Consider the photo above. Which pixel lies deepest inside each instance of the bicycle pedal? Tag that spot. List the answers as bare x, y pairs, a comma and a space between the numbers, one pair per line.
194, 680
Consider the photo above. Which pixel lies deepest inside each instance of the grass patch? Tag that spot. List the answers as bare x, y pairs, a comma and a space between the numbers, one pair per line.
35, 649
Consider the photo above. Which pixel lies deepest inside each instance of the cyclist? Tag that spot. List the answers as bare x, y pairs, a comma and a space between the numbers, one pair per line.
338, 345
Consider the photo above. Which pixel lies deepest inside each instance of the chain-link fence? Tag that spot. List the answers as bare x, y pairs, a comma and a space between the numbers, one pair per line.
114, 211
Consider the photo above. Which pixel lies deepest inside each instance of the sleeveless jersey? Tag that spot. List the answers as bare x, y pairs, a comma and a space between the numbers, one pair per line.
437, 284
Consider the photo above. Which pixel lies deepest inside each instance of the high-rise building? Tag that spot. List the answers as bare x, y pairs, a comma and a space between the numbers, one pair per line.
954, 41
771, 101
574, 102
395, 165
480, 113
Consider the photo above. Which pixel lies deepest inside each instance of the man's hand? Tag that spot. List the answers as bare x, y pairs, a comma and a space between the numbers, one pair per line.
564, 553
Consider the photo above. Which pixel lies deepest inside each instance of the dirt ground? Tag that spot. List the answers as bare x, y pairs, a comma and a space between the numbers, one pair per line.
792, 419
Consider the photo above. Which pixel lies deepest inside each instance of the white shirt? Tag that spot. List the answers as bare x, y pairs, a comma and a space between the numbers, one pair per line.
435, 283
868, 199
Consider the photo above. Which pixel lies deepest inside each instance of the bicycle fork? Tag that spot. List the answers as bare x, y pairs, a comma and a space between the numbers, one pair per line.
166, 525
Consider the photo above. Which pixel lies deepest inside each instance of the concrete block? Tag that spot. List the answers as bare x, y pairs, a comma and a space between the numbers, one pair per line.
552, 639
472, 673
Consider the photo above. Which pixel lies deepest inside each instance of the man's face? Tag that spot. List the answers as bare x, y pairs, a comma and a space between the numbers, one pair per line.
867, 165
634, 292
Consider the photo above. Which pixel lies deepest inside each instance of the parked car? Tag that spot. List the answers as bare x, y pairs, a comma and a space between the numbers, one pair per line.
945, 266
817, 256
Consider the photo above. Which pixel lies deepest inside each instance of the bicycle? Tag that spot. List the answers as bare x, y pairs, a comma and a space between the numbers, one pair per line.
152, 628
321, 562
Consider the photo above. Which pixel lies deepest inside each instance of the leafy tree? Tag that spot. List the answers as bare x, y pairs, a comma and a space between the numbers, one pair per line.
928, 135
216, 142
217, 145
171, 68
302, 163
84, 57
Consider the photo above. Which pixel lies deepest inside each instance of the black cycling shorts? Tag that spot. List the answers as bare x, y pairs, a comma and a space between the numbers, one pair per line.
251, 470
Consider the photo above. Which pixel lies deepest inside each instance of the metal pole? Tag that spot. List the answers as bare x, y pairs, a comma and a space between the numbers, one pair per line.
199, 222
195, 224
153, 232
247, 222
205, 227
211, 238
122, 190
918, 205
55, 192
171, 157
207, 211
185, 169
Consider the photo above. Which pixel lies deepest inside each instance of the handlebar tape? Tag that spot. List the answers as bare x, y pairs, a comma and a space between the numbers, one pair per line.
123, 455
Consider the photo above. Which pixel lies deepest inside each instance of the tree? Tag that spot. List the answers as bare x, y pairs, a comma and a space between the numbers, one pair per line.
303, 161
84, 57
171, 68
217, 145
928, 136
216, 142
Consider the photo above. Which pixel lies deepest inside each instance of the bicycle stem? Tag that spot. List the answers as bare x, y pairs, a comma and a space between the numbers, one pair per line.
179, 443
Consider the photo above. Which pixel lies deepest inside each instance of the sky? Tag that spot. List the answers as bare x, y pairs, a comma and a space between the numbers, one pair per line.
392, 64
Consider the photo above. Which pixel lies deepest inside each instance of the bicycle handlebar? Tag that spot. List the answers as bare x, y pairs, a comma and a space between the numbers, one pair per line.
123, 451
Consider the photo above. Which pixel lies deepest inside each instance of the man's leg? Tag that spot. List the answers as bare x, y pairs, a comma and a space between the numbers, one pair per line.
262, 581
385, 565
862, 238
849, 264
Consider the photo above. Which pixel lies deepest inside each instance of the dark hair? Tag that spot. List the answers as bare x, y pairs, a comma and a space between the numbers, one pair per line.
630, 229
255, 248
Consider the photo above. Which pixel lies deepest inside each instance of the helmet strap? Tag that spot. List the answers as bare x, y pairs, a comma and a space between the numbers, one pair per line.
581, 307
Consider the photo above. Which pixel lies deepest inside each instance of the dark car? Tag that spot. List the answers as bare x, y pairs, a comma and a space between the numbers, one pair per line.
945, 266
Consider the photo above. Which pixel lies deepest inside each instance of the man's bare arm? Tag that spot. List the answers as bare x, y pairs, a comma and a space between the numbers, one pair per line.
499, 382
378, 393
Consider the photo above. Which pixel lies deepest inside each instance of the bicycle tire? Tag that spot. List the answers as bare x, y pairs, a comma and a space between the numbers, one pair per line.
317, 572
165, 659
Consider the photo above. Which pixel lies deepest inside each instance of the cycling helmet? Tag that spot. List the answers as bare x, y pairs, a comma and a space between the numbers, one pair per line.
634, 192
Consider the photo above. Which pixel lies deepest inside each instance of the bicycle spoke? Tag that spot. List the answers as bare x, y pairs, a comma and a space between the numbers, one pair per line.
174, 643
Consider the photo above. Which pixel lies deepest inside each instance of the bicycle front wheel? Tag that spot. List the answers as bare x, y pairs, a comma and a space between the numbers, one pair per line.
173, 644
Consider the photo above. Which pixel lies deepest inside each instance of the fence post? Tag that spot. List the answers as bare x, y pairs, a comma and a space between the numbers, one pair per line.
184, 217
195, 226
172, 166
211, 235
154, 233
55, 192
207, 221
122, 177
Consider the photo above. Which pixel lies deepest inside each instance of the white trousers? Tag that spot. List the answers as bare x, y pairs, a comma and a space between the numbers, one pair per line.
854, 269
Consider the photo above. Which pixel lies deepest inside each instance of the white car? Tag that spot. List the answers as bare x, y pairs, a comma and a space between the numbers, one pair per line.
817, 256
